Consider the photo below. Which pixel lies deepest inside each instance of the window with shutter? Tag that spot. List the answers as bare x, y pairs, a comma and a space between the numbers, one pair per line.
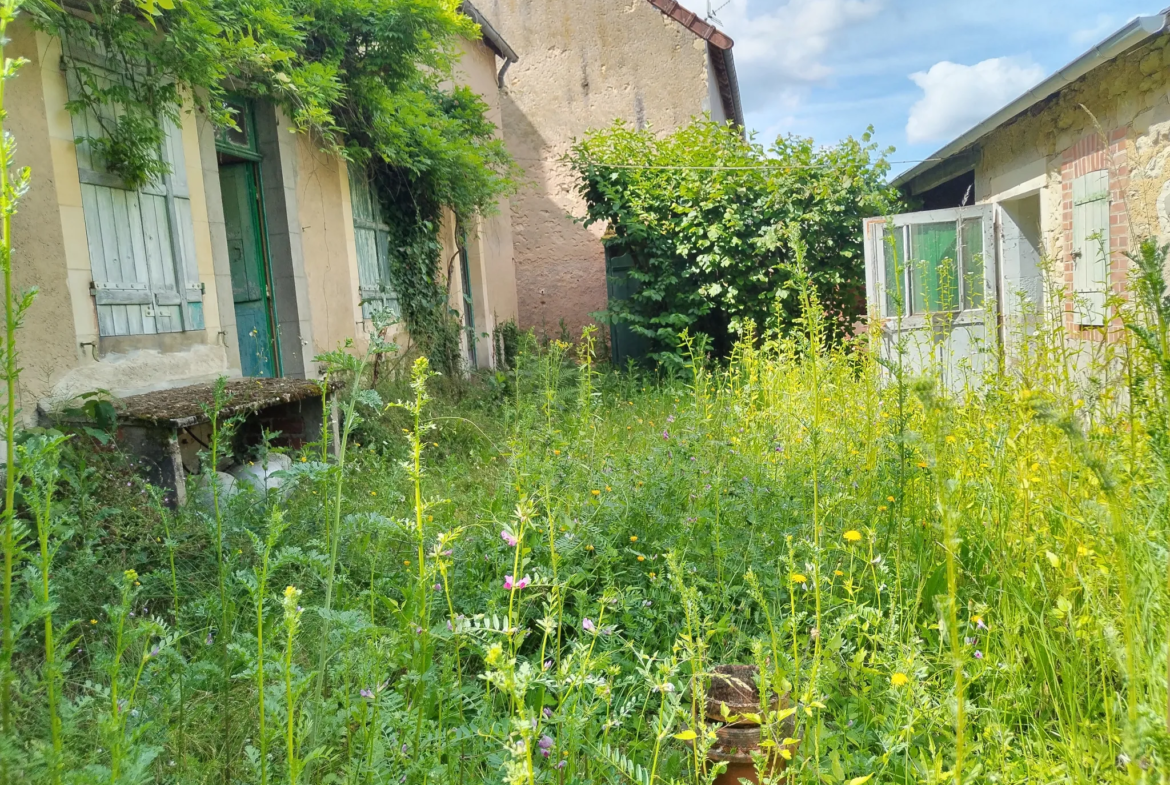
372, 236
141, 242
1090, 246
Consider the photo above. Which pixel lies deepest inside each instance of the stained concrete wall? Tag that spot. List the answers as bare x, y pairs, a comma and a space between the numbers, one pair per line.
327, 241
582, 65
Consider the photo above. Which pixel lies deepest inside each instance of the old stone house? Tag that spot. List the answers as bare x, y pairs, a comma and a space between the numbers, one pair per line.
1032, 211
256, 253
585, 64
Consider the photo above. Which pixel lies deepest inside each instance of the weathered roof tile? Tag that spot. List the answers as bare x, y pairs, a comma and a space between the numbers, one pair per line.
691, 21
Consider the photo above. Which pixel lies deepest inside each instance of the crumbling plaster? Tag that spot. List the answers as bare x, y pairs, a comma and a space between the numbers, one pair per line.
582, 65
1131, 93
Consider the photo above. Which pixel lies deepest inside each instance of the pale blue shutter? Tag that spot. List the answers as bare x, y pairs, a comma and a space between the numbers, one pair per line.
141, 243
1090, 245
372, 237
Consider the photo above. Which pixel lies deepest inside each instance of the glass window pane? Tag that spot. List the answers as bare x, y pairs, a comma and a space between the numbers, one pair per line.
934, 279
972, 258
888, 240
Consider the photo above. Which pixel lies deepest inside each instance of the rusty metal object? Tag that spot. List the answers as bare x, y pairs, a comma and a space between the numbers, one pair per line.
735, 741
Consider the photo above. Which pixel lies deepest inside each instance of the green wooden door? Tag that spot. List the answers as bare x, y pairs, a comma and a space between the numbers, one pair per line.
625, 344
250, 290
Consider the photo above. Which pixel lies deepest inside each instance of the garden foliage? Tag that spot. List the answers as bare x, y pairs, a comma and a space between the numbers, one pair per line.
951, 586
702, 212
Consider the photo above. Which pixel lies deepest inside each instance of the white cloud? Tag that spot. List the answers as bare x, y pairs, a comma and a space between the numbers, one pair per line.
785, 47
955, 97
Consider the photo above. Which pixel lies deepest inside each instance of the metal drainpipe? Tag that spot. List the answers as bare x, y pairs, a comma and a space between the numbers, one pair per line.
500, 75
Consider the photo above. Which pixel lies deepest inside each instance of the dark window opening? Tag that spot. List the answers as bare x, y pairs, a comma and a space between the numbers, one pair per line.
949, 194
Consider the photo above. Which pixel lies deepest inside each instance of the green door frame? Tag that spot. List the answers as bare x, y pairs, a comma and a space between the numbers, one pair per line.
241, 144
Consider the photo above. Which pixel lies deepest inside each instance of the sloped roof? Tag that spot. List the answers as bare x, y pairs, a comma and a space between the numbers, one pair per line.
691, 21
718, 47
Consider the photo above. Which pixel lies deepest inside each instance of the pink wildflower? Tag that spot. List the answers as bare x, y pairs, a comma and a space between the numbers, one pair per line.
507, 537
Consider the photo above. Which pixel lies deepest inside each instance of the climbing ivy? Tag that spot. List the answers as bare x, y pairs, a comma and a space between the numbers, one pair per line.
368, 80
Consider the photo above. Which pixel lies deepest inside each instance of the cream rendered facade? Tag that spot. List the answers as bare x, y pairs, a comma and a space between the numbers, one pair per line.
310, 240
1068, 179
584, 65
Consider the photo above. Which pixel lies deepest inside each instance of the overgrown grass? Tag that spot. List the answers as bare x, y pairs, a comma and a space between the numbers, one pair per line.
530, 586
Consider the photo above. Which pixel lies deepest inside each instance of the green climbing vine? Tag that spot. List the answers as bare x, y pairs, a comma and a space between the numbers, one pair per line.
368, 80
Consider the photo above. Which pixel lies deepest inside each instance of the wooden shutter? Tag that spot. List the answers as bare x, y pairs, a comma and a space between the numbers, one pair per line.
1090, 246
141, 242
372, 236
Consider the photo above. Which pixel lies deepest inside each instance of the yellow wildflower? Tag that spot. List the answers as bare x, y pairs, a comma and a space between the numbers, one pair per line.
899, 680
633, 538
641, 558
798, 578
595, 492
853, 535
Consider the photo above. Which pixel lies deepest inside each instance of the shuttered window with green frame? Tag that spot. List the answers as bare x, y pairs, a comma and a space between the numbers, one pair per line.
145, 277
372, 237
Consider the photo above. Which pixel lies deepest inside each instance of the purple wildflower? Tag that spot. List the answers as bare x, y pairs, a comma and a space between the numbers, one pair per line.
562, 764
437, 587
509, 538
546, 744
368, 694
588, 625
978, 654
547, 713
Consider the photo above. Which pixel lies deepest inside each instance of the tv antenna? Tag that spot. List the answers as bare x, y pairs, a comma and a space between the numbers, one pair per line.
712, 10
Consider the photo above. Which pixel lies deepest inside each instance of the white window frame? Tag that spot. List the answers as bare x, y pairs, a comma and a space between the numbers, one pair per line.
878, 286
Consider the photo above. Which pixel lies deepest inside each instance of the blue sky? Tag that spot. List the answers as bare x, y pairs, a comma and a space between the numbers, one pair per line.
919, 71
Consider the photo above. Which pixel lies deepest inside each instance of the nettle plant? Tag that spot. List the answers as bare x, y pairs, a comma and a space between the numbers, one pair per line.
702, 212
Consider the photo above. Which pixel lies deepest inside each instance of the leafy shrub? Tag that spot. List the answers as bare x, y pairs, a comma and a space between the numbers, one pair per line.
703, 213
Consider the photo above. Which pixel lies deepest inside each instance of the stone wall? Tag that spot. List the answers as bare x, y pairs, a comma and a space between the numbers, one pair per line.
582, 65
1117, 117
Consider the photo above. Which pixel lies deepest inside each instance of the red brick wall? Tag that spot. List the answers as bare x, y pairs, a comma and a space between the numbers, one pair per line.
1091, 154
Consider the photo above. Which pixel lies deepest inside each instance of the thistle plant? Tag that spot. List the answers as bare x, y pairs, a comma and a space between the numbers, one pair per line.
40, 455
257, 584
